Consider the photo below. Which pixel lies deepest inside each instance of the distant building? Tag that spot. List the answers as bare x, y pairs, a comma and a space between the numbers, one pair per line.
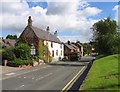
34, 35
73, 47
7, 42
80, 48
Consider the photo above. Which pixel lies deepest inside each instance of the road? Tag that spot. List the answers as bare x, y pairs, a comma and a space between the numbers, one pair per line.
46, 77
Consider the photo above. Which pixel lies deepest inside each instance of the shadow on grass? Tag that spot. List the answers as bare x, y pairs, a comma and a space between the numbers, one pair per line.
100, 56
116, 57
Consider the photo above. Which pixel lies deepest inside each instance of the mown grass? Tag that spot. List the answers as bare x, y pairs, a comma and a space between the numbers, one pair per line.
104, 74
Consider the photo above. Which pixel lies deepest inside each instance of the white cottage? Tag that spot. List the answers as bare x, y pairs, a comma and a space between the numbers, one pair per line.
34, 35
55, 46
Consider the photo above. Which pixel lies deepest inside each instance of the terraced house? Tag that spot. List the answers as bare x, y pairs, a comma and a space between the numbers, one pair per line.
34, 35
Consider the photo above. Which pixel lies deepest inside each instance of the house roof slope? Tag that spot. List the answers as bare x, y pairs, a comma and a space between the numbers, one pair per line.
42, 34
69, 46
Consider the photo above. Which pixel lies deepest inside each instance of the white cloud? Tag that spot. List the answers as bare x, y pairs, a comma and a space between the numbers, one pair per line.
73, 38
90, 11
62, 16
117, 9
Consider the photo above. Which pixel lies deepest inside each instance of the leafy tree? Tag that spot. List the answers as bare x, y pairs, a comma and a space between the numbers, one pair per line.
105, 36
22, 51
14, 37
7, 53
87, 48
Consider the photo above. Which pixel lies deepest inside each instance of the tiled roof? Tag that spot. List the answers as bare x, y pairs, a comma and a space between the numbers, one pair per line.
69, 46
75, 46
10, 42
42, 34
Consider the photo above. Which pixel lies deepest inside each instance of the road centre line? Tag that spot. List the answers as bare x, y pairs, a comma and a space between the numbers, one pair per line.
44, 76
68, 84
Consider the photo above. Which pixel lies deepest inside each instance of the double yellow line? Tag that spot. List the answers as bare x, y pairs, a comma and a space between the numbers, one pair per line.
68, 84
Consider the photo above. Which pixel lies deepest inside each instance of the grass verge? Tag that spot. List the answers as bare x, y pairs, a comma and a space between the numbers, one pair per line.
103, 74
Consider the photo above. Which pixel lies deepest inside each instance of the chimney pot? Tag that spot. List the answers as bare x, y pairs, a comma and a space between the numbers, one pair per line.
55, 33
29, 21
48, 29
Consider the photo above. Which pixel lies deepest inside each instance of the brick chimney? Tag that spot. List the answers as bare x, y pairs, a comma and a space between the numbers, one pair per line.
29, 21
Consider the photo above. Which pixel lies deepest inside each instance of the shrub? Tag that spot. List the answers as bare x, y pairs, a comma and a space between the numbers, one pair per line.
8, 54
18, 62
99, 56
22, 51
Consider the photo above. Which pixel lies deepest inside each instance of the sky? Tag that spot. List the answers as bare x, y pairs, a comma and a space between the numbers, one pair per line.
72, 19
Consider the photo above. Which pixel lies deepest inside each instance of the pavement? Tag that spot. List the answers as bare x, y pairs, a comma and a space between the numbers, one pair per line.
7, 69
53, 76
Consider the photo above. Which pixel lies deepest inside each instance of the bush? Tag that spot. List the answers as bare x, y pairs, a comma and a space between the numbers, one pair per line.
22, 51
8, 54
99, 56
18, 62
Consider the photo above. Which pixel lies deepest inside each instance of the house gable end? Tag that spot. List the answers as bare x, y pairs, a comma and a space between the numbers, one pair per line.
28, 36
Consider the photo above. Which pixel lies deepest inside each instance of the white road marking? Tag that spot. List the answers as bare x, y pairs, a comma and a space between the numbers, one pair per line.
36, 69
20, 87
48, 74
44, 76
10, 74
24, 77
33, 78
13, 75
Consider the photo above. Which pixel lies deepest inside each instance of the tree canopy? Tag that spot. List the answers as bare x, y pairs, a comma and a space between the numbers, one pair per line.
106, 36
14, 37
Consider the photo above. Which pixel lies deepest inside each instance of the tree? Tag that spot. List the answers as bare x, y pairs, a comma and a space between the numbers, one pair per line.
7, 53
14, 37
105, 36
22, 51
87, 48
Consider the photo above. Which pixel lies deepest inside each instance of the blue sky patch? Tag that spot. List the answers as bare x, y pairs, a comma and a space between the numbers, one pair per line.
41, 4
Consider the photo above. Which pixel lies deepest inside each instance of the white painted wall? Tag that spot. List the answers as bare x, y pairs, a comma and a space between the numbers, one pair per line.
56, 46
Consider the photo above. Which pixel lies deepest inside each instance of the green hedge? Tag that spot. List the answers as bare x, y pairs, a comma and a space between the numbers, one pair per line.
22, 51
18, 62
8, 54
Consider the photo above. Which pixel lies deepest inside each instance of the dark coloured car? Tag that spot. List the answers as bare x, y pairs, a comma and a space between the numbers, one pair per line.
74, 56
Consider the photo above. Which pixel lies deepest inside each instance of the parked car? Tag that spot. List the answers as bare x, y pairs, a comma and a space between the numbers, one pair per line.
73, 56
